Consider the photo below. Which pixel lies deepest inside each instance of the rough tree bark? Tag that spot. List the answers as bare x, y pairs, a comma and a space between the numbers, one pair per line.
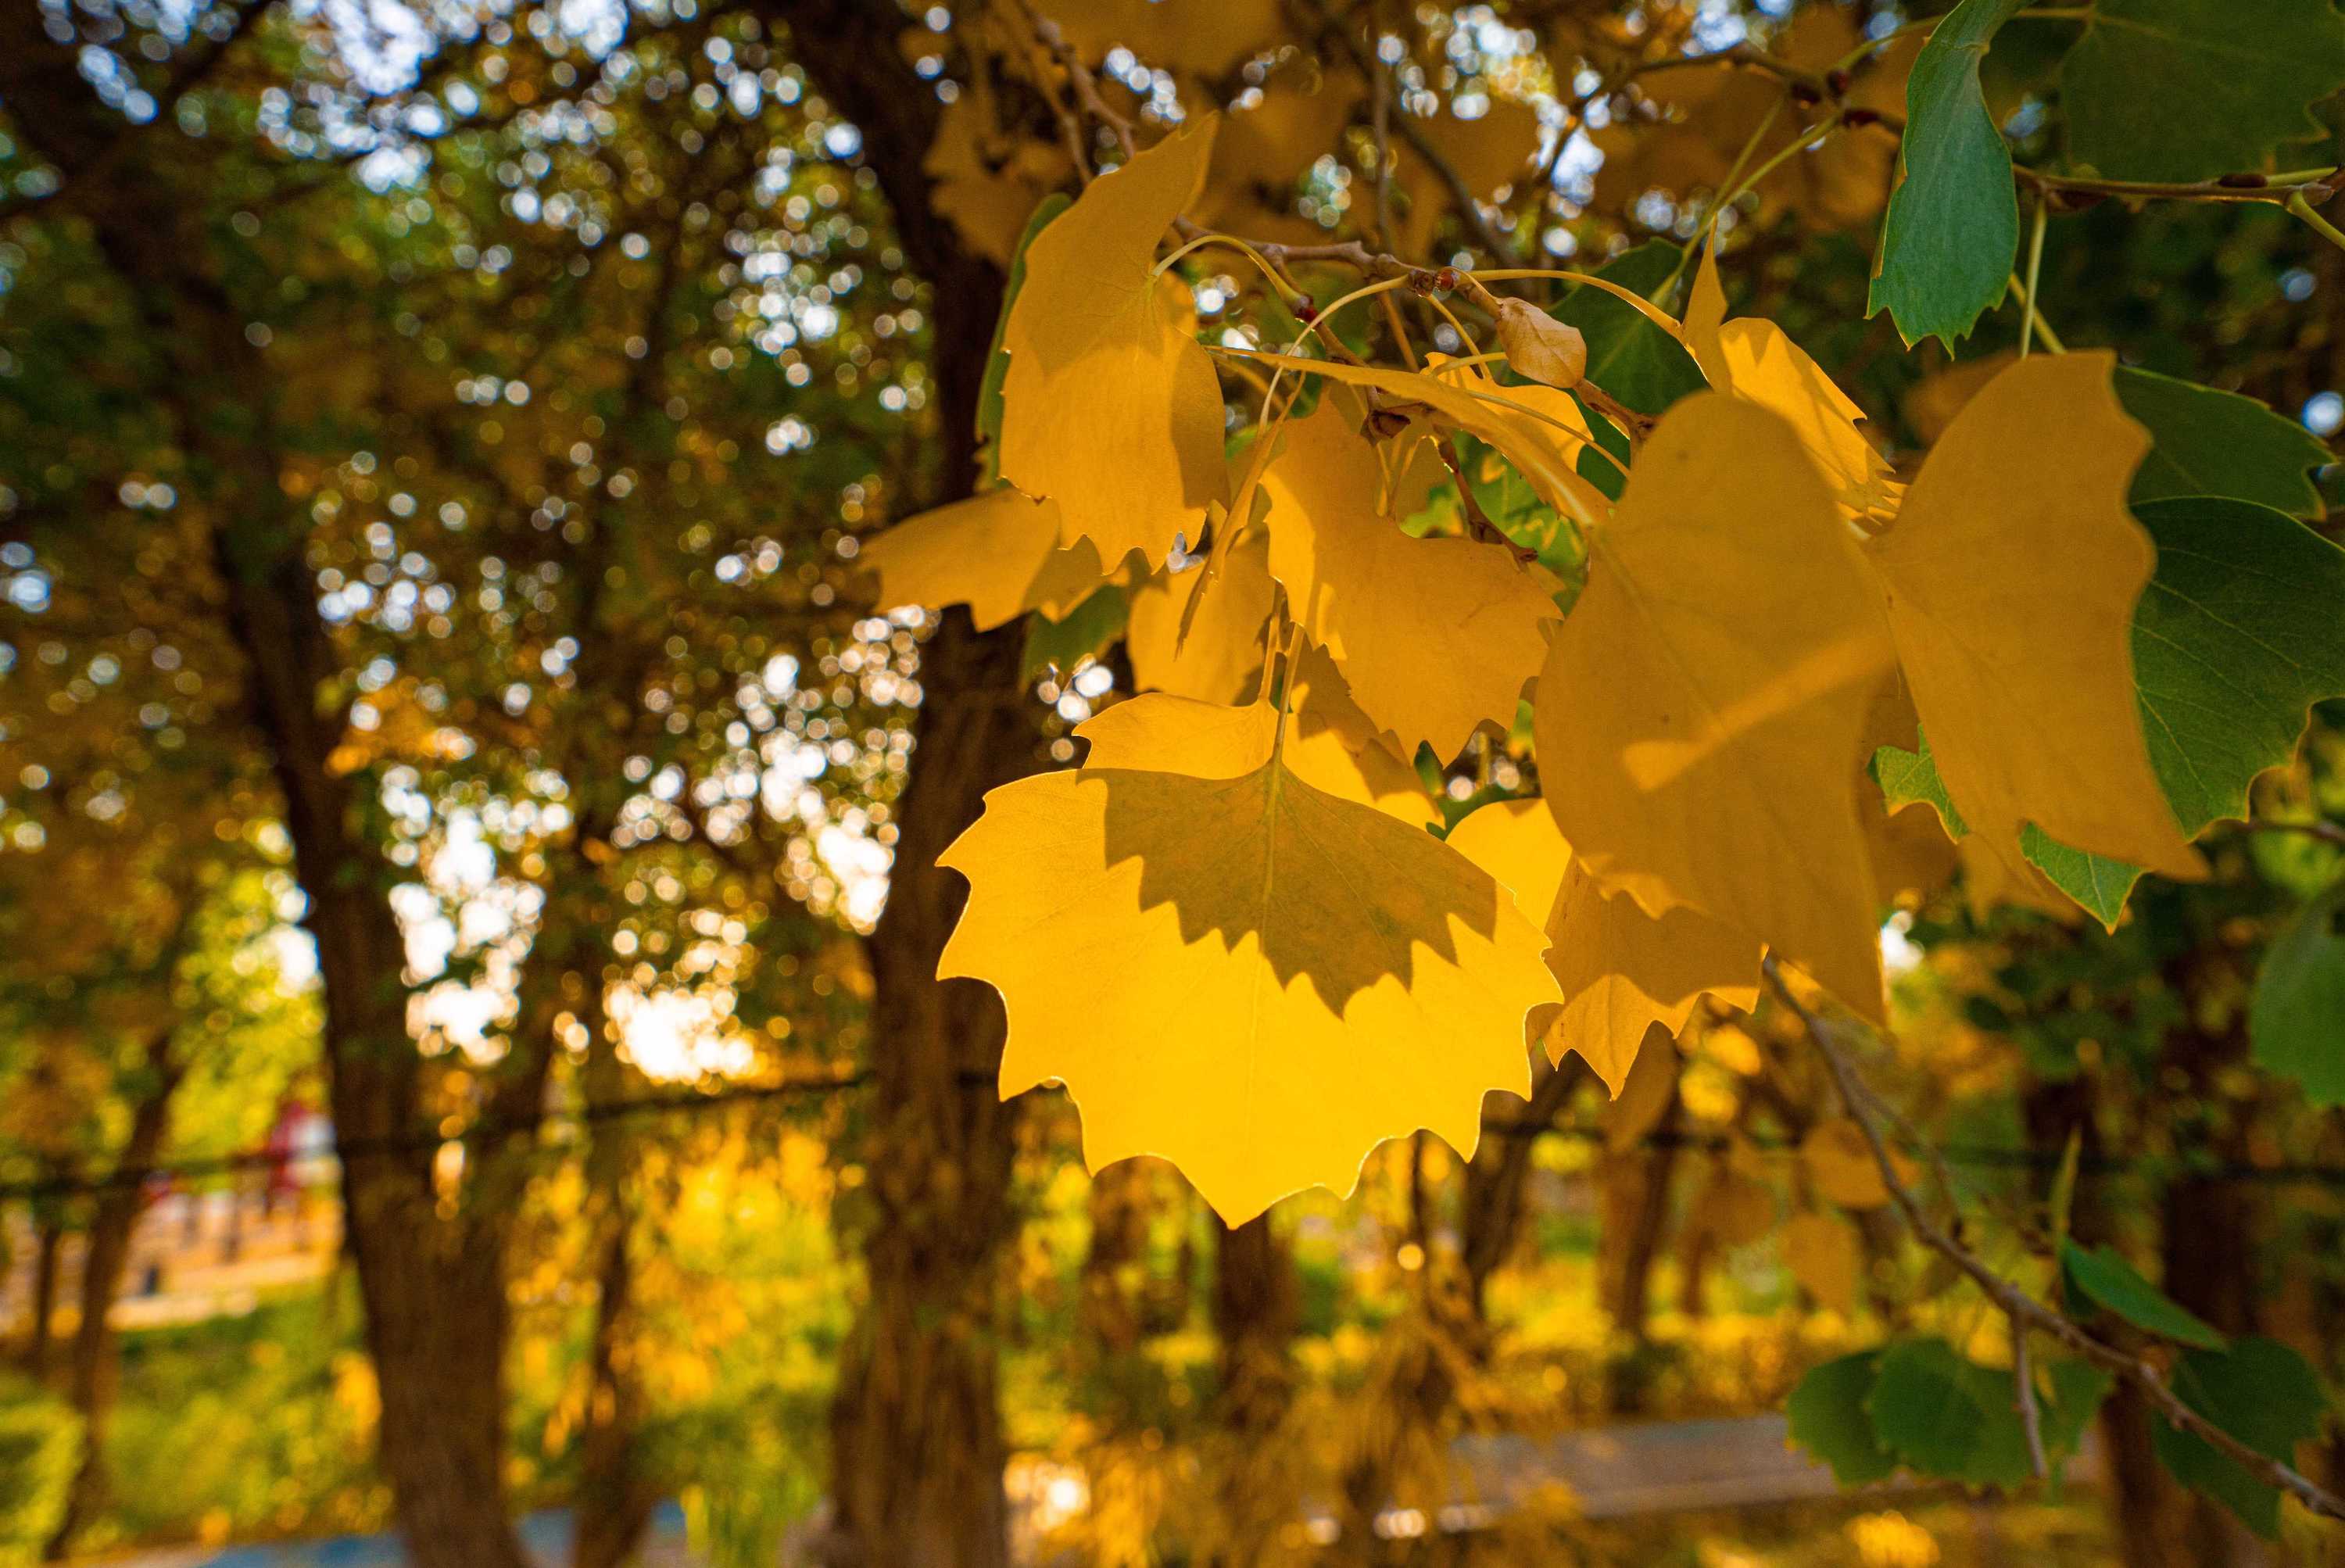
917, 1442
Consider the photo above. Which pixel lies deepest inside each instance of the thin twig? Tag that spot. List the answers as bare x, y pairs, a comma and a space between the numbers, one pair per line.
1461, 195
1477, 522
2229, 188
2031, 1415
2027, 1313
2326, 832
2299, 204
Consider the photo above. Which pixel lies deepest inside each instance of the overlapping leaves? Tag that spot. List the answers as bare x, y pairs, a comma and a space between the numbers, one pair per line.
1229, 932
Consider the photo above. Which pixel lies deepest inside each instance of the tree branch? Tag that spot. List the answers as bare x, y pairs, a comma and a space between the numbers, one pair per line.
2027, 1314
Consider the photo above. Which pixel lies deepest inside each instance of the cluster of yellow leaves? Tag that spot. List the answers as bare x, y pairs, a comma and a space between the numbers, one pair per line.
1229, 932
1698, 120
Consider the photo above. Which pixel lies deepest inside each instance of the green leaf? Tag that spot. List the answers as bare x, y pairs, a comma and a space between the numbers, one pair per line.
2106, 1278
1828, 1419
2189, 89
1608, 474
2262, 1393
1628, 355
1086, 633
1953, 227
1908, 776
2095, 881
996, 362
1945, 1415
2233, 642
2212, 443
2235, 639
1924, 1409
2297, 1020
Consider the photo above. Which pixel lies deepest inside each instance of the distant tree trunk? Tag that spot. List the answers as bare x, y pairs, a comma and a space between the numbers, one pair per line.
41, 1333
433, 1287
2212, 1229
1116, 1304
615, 1494
438, 1318
1256, 1312
90, 1375
2141, 1498
1499, 1172
1633, 1195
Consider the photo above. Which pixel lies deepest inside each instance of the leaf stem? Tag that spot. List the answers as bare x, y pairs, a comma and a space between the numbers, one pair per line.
2034, 268
2042, 328
2319, 225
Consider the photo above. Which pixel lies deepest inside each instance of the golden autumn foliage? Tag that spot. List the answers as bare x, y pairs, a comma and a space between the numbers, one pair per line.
1178, 924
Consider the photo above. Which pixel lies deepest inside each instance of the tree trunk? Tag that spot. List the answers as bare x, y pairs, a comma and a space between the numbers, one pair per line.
90, 1377
1633, 1195
916, 1443
1256, 1310
433, 1287
1497, 1175
41, 1333
616, 1496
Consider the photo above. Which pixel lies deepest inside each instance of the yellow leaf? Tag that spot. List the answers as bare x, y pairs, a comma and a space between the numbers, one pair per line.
1705, 316
1520, 422
1109, 408
1715, 113
1434, 637
1753, 358
1207, 37
1822, 1255
1221, 661
1647, 1096
988, 184
1262, 152
1517, 842
1702, 709
1243, 974
2011, 575
1621, 969
1329, 743
1840, 1164
1930, 405
997, 553
1911, 851
1484, 153
1538, 346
